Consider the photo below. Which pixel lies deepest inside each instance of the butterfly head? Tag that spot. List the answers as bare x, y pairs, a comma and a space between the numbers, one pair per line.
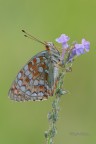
55, 55
49, 45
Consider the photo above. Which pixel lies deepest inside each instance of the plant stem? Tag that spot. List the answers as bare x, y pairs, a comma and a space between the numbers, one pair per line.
53, 115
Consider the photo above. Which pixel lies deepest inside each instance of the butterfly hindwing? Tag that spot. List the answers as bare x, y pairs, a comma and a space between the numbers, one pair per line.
35, 81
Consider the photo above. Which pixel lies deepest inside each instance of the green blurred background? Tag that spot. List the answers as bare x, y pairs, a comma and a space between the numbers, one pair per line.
25, 123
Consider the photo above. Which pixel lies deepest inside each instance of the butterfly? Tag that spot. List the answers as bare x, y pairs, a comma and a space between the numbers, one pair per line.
38, 78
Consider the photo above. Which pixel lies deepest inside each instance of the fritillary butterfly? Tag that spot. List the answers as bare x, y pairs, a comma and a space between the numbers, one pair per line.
38, 78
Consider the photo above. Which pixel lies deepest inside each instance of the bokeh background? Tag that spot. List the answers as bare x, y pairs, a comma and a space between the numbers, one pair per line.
25, 123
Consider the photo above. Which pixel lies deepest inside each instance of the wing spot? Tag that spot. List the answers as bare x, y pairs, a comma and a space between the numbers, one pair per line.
41, 82
19, 75
41, 88
28, 92
35, 74
20, 82
26, 68
27, 73
17, 87
31, 82
23, 88
27, 79
40, 69
38, 60
29, 65
41, 58
30, 76
40, 94
34, 60
34, 94
36, 82
43, 65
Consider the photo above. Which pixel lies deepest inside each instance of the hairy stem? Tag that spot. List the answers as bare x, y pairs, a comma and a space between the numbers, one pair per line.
53, 115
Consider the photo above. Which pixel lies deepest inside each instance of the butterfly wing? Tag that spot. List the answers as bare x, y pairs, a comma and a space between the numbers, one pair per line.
35, 81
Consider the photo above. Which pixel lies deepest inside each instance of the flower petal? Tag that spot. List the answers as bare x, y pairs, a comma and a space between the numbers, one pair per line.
79, 49
63, 38
86, 45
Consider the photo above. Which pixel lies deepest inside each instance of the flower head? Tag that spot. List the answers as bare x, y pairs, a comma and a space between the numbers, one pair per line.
63, 39
86, 45
80, 49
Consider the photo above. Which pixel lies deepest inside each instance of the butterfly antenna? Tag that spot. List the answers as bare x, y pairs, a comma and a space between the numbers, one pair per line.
32, 37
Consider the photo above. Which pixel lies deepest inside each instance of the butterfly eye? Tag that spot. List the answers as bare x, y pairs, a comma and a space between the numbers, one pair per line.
50, 44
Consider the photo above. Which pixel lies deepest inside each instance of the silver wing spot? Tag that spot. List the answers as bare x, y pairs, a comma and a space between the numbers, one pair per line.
23, 88
40, 69
20, 82
36, 82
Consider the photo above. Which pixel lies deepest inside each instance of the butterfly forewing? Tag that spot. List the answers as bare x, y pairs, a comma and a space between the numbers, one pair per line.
35, 81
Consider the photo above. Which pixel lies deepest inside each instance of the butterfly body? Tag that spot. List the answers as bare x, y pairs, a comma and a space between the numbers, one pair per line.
38, 78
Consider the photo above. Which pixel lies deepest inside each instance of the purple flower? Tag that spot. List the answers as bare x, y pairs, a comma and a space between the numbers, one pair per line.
63, 39
80, 49
86, 45
77, 50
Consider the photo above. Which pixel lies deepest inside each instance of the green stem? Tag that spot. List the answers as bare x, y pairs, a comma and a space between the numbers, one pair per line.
53, 115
